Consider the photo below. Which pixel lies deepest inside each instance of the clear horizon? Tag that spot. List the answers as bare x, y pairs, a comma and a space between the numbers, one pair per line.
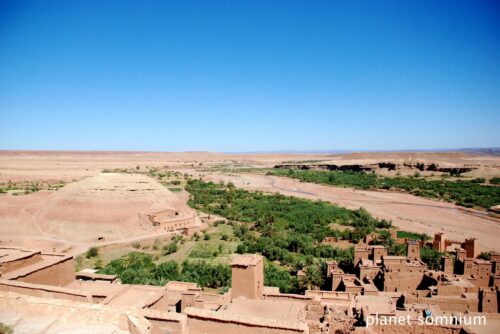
249, 76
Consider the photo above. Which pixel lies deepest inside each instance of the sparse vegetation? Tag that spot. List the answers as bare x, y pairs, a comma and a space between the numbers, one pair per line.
92, 252
170, 248
485, 256
26, 187
468, 193
5, 329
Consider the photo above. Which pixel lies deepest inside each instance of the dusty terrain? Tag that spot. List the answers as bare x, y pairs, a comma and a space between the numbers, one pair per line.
108, 208
74, 215
69, 166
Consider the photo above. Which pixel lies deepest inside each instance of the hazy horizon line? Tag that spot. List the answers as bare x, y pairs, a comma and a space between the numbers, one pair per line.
495, 150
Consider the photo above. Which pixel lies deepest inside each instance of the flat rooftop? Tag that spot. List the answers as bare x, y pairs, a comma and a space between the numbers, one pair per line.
136, 295
277, 310
84, 274
27, 314
14, 254
375, 304
246, 260
96, 288
121, 294
46, 261
181, 286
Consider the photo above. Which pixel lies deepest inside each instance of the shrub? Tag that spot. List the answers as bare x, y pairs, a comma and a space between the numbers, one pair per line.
495, 180
5, 329
170, 248
485, 256
92, 252
98, 264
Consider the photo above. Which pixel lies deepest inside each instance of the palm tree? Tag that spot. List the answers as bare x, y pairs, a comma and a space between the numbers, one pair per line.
384, 238
312, 278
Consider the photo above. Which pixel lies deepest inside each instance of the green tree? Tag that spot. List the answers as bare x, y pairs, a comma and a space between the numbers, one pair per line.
384, 238
312, 279
278, 277
431, 257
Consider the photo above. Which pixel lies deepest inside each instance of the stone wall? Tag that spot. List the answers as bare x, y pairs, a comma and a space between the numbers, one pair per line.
402, 281
166, 322
448, 303
488, 301
21, 262
46, 291
58, 274
204, 321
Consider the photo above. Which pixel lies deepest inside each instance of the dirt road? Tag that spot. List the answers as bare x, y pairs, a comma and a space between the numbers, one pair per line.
408, 212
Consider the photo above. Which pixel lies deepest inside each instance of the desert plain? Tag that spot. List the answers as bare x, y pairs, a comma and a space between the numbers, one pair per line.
95, 208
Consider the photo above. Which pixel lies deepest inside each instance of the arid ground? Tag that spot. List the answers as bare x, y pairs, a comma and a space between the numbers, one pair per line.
63, 218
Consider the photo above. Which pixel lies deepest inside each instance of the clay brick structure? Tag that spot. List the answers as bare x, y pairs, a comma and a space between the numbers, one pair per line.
36, 267
374, 253
471, 247
478, 271
248, 276
399, 273
488, 300
461, 254
368, 260
447, 264
368, 268
93, 302
378, 252
413, 250
361, 253
439, 242
174, 220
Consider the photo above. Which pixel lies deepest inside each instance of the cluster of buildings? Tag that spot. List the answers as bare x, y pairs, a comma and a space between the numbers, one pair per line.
41, 293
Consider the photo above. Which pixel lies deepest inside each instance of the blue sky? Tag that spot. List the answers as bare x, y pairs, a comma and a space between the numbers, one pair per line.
249, 75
